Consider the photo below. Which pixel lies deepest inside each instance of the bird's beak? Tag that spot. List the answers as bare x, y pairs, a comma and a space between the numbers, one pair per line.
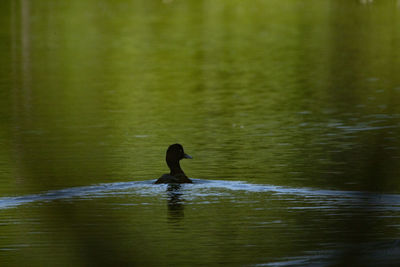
186, 156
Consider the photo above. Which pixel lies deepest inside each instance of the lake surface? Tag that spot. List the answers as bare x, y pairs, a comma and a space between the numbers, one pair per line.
290, 109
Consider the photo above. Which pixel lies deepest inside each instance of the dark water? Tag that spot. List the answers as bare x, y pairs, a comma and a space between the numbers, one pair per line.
289, 108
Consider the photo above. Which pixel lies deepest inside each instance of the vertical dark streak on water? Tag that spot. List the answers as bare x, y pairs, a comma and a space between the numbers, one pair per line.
175, 204
343, 83
26, 55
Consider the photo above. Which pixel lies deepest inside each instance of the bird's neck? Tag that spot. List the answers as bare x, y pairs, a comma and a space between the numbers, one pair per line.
175, 168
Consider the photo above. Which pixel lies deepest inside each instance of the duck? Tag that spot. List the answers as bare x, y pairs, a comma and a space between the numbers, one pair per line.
174, 154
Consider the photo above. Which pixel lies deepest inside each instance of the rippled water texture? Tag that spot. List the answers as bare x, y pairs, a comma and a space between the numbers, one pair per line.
290, 109
266, 209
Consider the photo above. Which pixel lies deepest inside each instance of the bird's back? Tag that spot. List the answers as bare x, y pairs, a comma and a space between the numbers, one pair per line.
179, 178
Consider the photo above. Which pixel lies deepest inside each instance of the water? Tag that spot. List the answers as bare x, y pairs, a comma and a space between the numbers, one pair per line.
289, 108
256, 219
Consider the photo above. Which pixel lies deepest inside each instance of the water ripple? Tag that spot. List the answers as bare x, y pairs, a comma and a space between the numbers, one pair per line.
214, 188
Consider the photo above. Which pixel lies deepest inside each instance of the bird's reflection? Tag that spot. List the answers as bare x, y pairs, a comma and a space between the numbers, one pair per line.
175, 203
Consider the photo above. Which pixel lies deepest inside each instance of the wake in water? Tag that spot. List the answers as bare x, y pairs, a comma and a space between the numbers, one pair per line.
204, 188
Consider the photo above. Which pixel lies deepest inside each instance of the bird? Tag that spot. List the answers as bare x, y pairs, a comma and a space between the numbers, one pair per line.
174, 154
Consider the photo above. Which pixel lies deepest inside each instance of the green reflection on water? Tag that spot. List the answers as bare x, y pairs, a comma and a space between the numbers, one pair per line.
297, 93
266, 91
